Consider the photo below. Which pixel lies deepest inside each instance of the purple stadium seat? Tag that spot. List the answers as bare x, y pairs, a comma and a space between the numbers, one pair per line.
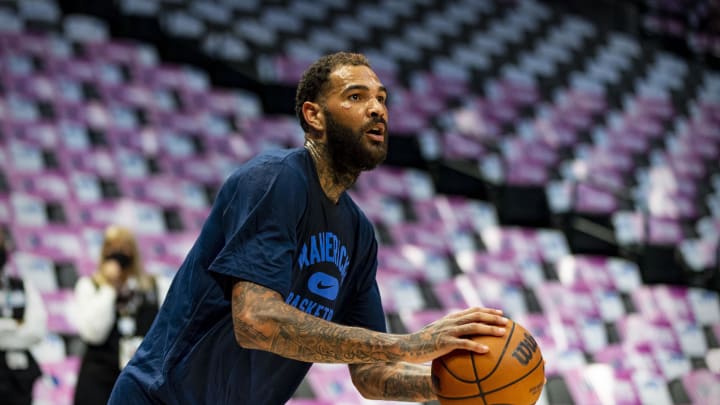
143, 218
702, 386
52, 242
700, 254
28, 210
456, 212
500, 110
472, 121
664, 231
456, 146
705, 305
120, 52
49, 186
519, 90
639, 330
573, 117
626, 359
546, 330
525, 243
168, 247
414, 321
415, 261
567, 302
406, 183
432, 236
582, 270
57, 306
57, 386
196, 169
158, 190
597, 384
592, 199
553, 132
400, 292
501, 265
656, 107
6, 212
287, 69
332, 383
673, 304
496, 292
130, 162
193, 218
36, 268
457, 292
96, 162
627, 140
379, 208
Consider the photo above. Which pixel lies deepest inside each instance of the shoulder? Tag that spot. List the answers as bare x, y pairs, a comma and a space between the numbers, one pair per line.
85, 283
278, 165
365, 227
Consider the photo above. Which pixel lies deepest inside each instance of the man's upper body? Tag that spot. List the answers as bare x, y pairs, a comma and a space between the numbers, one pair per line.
283, 273
270, 227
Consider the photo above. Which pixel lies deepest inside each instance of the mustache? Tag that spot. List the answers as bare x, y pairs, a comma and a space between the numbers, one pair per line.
373, 122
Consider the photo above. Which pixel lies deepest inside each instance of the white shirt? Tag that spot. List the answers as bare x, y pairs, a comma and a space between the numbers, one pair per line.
23, 335
93, 312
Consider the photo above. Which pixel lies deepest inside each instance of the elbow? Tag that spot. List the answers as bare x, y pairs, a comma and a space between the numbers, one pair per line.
367, 393
252, 330
361, 377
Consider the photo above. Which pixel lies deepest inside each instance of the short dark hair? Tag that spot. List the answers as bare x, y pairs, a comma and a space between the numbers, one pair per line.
314, 80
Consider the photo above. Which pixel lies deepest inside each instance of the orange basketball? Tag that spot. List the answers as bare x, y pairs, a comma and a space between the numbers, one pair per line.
512, 372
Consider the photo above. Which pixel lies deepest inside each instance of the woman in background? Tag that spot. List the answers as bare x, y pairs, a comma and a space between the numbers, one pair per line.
115, 308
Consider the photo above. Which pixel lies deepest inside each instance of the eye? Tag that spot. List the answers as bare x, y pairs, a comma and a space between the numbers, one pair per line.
354, 97
381, 99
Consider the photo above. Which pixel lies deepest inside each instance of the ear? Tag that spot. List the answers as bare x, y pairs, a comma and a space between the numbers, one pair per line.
314, 116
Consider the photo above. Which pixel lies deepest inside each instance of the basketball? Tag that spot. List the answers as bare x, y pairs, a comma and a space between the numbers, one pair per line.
512, 372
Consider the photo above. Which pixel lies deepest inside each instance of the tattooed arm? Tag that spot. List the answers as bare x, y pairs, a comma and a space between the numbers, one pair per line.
262, 320
393, 381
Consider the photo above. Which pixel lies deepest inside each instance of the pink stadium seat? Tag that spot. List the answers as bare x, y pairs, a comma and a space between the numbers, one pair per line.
702, 386
57, 386
414, 261
57, 306
567, 302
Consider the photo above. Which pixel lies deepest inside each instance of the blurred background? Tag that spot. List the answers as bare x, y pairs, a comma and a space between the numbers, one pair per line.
556, 159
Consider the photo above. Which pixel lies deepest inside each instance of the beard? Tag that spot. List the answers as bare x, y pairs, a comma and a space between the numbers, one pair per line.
351, 151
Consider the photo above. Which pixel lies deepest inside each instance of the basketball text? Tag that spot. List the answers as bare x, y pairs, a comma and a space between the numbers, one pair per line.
525, 350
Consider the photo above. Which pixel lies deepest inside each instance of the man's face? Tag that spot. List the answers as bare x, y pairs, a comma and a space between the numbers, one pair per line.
356, 118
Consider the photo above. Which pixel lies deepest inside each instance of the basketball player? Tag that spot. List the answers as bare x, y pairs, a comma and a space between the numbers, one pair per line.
283, 272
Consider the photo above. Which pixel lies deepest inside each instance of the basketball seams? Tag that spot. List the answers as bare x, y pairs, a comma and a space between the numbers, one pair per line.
540, 361
502, 354
445, 366
477, 380
475, 360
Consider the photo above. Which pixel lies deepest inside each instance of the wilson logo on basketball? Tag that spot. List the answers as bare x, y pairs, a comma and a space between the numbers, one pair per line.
525, 349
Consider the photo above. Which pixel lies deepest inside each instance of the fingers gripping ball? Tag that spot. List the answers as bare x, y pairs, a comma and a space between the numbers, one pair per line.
512, 372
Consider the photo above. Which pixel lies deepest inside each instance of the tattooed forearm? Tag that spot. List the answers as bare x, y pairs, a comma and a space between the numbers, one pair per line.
262, 320
393, 381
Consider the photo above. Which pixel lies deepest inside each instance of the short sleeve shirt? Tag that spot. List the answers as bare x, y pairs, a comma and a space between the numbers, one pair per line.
271, 224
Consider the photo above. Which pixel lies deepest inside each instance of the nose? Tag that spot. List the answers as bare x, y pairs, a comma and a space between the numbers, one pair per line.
377, 109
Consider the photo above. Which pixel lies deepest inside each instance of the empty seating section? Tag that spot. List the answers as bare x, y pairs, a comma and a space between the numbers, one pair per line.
596, 154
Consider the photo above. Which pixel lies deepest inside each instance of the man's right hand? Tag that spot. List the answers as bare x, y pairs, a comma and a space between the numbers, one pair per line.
453, 332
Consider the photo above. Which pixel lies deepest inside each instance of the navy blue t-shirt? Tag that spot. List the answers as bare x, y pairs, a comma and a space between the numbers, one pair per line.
271, 224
